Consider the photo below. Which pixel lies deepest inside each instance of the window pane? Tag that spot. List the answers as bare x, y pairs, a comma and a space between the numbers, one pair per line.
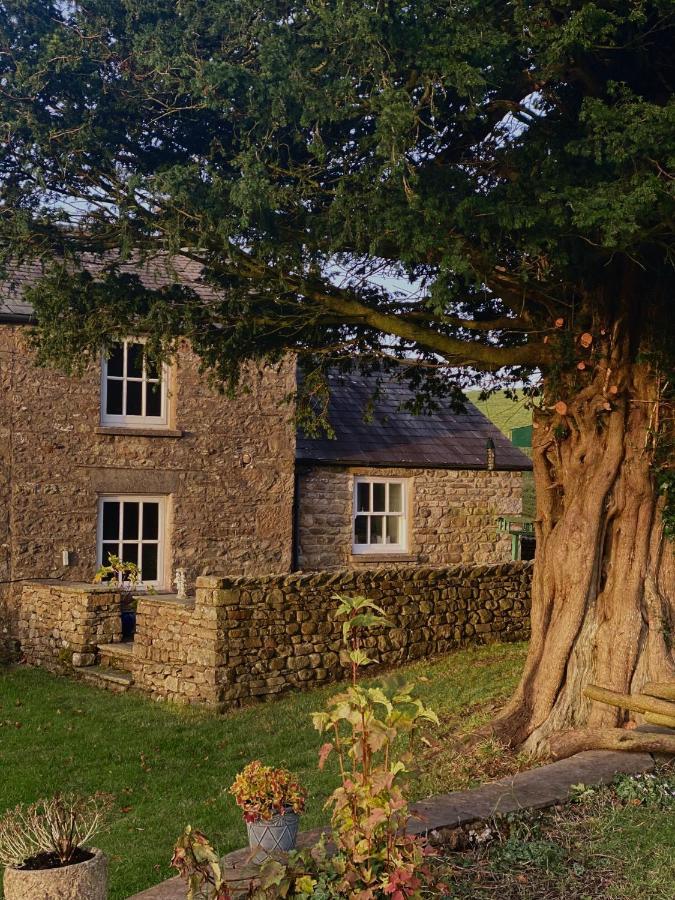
116, 360
362, 497
113, 405
361, 530
377, 529
393, 529
130, 521
395, 498
135, 360
149, 567
134, 389
130, 553
150, 521
111, 521
379, 490
153, 399
151, 368
106, 551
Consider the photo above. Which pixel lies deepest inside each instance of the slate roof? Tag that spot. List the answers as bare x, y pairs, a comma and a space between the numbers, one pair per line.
154, 273
395, 437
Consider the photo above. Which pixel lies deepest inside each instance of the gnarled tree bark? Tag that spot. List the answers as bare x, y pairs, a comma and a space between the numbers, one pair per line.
603, 600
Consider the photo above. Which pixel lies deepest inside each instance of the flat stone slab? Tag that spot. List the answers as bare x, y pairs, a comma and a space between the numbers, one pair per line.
535, 789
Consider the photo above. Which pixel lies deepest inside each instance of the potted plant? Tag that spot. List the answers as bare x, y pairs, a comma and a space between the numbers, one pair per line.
128, 576
272, 800
45, 850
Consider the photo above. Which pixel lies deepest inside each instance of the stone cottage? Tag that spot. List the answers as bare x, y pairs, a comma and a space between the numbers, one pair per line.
155, 466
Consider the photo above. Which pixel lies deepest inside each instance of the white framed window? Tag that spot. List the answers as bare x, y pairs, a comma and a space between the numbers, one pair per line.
380, 515
134, 529
133, 389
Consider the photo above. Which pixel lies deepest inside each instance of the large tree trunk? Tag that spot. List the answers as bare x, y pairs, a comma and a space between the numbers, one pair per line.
603, 599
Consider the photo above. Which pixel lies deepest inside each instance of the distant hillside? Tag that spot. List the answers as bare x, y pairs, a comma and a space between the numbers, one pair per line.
505, 413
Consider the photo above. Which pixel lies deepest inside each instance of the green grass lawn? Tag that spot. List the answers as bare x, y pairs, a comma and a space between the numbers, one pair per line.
167, 766
612, 843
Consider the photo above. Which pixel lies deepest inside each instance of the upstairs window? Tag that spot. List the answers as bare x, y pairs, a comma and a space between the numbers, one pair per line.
133, 529
380, 524
133, 388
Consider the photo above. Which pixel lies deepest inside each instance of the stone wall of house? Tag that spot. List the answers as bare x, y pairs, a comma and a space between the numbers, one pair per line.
451, 516
224, 465
63, 624
252, 638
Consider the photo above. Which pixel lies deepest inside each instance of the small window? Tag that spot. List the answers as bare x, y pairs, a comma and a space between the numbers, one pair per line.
379, 516
133, 390
132, 528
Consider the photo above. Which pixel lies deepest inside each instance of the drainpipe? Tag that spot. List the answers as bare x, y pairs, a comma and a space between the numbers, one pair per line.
295, 525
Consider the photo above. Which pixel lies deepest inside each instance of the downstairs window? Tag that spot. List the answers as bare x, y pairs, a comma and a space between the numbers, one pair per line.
133, 528
379, 517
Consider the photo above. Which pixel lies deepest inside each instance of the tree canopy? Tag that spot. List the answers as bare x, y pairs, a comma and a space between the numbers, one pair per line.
469, 181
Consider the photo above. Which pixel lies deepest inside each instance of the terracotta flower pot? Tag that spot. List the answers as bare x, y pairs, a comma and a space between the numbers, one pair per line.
271, 836
86, 880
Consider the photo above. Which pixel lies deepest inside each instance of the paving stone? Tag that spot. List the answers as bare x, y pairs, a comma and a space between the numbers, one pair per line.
536, 789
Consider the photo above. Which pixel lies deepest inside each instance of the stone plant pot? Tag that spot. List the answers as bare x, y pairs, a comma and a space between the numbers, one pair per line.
271, 836
87, 880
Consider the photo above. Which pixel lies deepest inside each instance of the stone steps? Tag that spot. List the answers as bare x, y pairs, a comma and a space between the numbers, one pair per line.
116, 656
107, 677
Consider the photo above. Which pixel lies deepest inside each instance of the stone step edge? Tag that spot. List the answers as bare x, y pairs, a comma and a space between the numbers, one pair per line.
537, 788
107, 673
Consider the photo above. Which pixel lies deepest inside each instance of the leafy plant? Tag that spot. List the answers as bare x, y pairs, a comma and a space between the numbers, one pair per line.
375, 857
263, 792
126, 574
647, 790
57, 827
198, 864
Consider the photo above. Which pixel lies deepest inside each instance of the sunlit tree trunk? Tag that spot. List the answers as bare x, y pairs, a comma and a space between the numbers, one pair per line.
603, 600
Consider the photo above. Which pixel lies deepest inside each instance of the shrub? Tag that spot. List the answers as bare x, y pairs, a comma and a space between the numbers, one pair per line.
263, 792
57, 828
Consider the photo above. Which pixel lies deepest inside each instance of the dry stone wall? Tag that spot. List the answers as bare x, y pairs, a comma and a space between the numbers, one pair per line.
63, 624
280, 633
452, 515
246, 639
179, 649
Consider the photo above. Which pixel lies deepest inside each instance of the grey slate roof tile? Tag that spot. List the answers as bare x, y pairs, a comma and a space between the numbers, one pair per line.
396, 437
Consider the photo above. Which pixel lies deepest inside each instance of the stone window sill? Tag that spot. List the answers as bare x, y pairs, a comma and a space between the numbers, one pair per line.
139, 432
382, 557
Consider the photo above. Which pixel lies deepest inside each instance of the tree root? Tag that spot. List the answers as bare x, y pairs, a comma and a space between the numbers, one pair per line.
567, 743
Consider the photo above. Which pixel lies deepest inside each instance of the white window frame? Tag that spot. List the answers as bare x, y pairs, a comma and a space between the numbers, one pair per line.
130, 421
380, 549
161, 533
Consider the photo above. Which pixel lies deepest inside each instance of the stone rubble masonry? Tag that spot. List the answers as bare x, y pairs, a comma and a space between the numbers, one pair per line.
62, 625
225, 465
246, 639
452, 515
